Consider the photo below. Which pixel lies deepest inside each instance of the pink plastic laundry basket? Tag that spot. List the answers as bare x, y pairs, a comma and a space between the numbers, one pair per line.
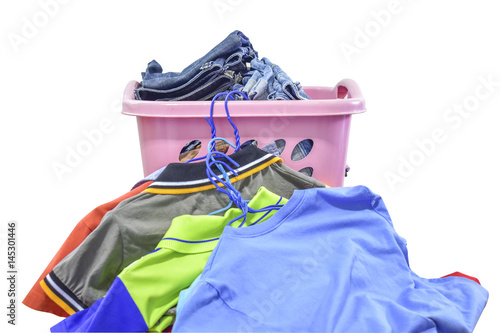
165, 127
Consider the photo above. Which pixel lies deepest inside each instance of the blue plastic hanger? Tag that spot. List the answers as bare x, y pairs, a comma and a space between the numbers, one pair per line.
233, 194
210, 161
210, 121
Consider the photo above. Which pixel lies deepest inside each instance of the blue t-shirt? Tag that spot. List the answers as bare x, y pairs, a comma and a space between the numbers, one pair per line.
328, 261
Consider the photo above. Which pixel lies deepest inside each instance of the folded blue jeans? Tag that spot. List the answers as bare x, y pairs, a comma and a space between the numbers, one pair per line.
282, 86
206, 89
269, 81
231, 54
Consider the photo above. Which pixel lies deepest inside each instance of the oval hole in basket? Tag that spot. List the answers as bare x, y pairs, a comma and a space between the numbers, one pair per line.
302, 149
308, 171
248, 143
280, 144
221, 146
190, 150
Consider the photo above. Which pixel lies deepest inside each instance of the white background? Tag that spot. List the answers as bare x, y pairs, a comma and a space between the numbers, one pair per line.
67, 75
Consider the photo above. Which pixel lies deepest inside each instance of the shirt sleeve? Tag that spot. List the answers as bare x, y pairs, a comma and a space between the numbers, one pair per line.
142, 296
87, 273
127, 233
37, 299
462, 302
117, 312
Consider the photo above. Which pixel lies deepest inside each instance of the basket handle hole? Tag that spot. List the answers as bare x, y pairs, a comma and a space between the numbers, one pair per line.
276, 147
308, 171
342, 92
280, 145
190, 150
249, 142
302, 149
221, 146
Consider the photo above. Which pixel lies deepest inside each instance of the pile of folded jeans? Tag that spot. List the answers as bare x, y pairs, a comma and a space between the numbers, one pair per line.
233, 64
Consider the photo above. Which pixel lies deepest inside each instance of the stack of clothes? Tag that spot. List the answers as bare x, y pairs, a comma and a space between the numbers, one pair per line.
288, 254
231, 65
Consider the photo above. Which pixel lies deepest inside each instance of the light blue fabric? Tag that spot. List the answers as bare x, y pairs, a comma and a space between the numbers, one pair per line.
330, 260
184, 294
268, 81
284, 87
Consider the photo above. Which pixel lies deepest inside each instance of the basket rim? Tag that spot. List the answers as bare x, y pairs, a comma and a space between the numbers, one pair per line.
259, 108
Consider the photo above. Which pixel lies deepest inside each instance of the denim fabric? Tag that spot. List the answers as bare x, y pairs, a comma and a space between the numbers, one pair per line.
302, 149
235, 42
283, 86
269, 81
276, 91
211, 72
257, 86
252, 81
272, 148
203, 88
206, 91
207, 73
233, 64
